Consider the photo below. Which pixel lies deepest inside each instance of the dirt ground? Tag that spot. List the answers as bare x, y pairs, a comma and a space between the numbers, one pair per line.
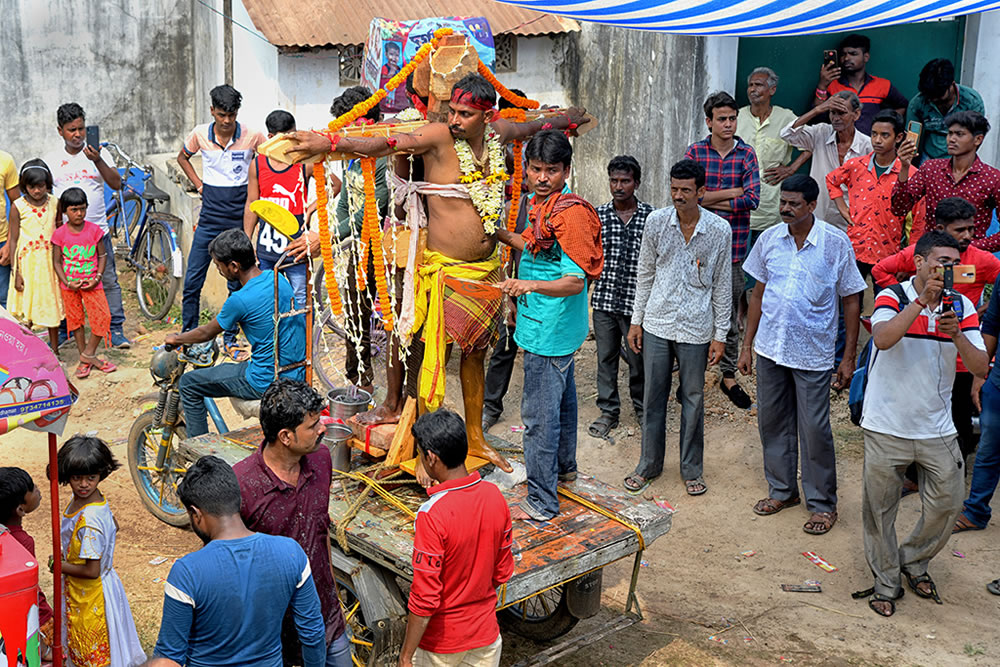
692, 579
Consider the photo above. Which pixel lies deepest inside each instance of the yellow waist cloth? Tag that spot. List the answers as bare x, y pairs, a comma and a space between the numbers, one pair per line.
475, 309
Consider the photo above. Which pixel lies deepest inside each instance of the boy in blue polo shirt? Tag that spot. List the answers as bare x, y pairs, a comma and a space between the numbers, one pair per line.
562, 251
251, 308
227, 147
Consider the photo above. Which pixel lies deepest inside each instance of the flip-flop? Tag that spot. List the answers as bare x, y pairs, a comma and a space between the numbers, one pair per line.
102, 365
83, 370
962, 524
994, 587
237, 353
634, 489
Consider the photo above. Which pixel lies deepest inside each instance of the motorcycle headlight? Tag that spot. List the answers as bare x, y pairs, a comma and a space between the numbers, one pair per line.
163, 364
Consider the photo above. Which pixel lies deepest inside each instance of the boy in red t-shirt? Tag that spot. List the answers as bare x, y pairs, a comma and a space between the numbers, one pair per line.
78, 257
461, 553
19, 496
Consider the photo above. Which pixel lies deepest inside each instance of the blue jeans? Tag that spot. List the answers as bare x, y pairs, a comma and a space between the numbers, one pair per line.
198, 262
4, 280
338, 653
112, 290
548, 410
986, 470
214, 382
296, 274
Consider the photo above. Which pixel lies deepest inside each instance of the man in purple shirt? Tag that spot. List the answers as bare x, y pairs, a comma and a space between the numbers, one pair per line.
733, 182
285, 489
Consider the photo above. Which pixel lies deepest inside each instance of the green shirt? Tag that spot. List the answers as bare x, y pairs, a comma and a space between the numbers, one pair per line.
772, 151
934, 135
551, 326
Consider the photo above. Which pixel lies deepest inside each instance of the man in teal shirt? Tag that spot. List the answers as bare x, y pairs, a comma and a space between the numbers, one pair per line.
562, 252
939, 96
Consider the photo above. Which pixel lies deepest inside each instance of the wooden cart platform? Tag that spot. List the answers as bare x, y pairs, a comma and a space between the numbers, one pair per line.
546, 554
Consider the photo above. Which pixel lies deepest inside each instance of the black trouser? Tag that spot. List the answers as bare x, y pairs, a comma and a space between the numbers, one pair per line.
961, 414
610, 330
499, 372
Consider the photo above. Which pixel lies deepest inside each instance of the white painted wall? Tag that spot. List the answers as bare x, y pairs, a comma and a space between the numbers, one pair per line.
538, 71
979, 70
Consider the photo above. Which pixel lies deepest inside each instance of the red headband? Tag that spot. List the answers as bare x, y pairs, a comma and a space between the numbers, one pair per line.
459, 96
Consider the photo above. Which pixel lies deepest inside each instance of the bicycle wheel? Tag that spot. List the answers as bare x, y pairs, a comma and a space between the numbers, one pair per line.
133, 212
155, 284
125, 218
330, 352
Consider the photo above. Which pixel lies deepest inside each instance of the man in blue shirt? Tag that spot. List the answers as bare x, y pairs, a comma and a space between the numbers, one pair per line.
223, 604
562, 251
252, 308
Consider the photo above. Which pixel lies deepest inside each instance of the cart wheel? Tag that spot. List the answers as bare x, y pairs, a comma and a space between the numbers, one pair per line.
540, 618
157, 488
363, 639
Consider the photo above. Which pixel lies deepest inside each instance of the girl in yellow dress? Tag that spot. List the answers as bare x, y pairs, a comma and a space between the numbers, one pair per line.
33, 296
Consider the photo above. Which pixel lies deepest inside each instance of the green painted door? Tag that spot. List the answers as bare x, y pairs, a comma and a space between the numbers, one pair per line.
898, 53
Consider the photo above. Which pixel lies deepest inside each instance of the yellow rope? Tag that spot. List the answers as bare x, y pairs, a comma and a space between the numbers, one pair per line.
605, 512
380, 490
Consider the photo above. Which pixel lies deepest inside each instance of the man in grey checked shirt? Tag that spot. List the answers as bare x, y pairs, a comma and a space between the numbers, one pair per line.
682, 308
622, 222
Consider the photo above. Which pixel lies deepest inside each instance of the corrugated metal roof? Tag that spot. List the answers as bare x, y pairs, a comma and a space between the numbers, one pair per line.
337, 23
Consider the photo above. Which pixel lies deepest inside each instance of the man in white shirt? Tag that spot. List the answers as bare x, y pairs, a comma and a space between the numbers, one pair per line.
682, 310
77, 165
803, 269
907, 419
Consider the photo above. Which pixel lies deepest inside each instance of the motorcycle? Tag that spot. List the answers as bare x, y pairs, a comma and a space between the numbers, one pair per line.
155, 463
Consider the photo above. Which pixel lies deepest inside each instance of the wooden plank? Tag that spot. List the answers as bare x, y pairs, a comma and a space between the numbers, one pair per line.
370, 450
402, 446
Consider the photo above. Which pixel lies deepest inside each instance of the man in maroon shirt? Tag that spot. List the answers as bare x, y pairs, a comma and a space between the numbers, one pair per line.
962, 174
461, 553
285, 490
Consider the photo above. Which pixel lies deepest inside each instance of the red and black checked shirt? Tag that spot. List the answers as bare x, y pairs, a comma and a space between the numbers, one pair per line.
461, 553
933, 181
737, 170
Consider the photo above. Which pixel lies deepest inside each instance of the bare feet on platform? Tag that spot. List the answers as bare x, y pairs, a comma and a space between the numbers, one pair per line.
423, 478
479, 447
382, 414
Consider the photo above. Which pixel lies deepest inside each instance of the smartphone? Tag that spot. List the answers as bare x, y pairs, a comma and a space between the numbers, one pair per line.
830, 57
94, 137
913, 129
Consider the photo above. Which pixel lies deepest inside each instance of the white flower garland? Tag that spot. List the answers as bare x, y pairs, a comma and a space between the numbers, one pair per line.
486, 192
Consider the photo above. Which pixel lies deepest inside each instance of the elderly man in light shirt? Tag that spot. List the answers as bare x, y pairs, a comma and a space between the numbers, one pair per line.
682, 310
804, 269
832, 144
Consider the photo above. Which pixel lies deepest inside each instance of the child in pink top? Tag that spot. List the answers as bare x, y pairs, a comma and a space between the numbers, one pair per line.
79, 259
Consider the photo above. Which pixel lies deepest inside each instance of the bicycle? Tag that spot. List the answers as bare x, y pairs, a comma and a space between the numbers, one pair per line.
149, 244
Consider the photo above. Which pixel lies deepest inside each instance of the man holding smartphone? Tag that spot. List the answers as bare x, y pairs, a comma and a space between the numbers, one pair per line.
78, 164
939, 95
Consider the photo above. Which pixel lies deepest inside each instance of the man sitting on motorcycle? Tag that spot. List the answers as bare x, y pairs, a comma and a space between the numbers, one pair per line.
252, 308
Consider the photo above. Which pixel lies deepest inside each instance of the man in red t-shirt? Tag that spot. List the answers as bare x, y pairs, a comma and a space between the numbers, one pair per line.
461, 553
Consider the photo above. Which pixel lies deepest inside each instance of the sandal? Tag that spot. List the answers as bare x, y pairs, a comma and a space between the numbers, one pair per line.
236, 352
602, 426
963, 524
102, 365
820, 523
635, 484
696, 486
769, 506
83, 370
878, 597
914, 581
994, 587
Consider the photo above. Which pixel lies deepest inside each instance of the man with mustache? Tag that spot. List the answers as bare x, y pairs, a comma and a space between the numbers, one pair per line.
681, 312
285, 486
804, 269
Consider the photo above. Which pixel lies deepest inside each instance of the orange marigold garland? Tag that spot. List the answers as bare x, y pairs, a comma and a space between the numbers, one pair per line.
373, 232
518, 116
326, 249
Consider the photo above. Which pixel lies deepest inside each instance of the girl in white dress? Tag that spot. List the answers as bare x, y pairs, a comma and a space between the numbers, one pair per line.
99, 629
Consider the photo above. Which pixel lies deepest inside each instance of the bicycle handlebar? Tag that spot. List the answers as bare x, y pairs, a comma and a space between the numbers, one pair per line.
124, 156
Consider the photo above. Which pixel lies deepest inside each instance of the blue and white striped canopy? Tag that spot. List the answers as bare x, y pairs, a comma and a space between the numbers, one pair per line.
755, 18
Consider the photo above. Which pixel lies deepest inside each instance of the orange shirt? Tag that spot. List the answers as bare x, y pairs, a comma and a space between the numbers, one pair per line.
875, 232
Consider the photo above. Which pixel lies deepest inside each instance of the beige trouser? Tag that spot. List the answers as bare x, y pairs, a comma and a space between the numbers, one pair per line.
484, 656
940, 474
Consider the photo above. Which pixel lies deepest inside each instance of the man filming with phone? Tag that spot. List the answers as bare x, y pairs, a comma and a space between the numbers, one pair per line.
84, 164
